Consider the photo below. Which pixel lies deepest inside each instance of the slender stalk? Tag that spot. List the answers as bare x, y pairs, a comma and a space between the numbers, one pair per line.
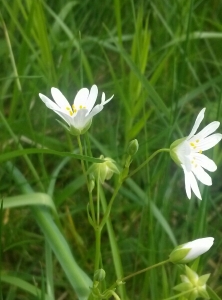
106, 215
98, 245
97, 228
144, 270
87, 182
122, 280
114, 248
98, 199
148, 160
180, 294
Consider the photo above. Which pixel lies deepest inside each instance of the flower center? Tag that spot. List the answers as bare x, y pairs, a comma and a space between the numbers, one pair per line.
194, 145
74, 109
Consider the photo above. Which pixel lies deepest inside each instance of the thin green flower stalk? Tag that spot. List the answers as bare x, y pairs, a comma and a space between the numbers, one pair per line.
100, 172
148, 160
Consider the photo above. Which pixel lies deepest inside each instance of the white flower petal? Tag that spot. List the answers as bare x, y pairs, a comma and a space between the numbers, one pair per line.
92, 97
60, 99
205, 162
183, 151
49, 103
194, 186
191, 183
103, 101
81, 98
210, 141
80, 121
210, 128
95, 110
66, 117
197, 123
198, 247
202, 176
187, 183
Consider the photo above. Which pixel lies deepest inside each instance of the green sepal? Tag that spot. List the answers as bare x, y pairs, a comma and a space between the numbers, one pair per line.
203, 279
103, 171
192, 276
177, 256
173, 147
74, 131
183, 287
203, 293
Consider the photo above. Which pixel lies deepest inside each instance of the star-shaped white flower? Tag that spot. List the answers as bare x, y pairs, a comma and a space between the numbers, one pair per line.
187, 152
79, 115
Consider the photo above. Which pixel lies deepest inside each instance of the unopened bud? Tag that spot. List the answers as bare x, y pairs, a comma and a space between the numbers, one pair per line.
99, 275
185, 253
133, 147
104, 171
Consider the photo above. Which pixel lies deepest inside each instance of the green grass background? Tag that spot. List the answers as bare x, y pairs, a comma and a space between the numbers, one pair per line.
162, 60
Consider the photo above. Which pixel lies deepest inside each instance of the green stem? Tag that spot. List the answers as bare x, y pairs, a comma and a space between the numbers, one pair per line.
180, 294
98, 245
87, 182
114, 247
106, 215
122, 280
144, 270
98, 199
148, 160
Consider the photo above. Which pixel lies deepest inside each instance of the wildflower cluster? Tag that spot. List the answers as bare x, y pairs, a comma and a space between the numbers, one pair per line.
187, 152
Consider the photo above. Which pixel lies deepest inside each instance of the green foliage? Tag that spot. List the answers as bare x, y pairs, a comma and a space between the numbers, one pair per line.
162, 62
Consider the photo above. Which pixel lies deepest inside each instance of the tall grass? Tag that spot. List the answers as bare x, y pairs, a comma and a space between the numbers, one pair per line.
162, 62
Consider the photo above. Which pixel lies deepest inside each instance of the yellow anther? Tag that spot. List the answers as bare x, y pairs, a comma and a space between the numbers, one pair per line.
197, 141
192, 144
200, 151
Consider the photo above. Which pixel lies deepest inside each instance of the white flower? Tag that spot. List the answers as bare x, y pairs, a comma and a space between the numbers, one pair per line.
189, 251
187, 152
79, 115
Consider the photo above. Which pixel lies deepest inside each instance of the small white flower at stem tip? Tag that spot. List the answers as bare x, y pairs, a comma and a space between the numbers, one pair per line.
79, 115
187, 252
187, 152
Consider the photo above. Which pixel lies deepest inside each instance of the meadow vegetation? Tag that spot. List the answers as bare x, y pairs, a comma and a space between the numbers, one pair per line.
162, 61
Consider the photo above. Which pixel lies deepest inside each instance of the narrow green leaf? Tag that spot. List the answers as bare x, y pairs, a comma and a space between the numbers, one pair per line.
16, 153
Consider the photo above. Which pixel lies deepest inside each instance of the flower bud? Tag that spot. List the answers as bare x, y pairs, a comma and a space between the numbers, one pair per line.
197, 285
185, 253
133, 147
104, 171
99, 275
